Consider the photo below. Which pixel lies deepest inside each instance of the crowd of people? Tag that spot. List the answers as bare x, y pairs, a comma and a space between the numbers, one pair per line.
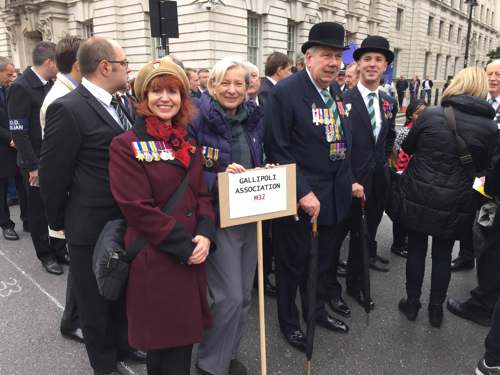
85, 145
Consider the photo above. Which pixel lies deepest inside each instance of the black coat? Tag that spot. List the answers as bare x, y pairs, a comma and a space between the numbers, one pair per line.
8, 167
369, 157
74, 178
25, 98
401, 85
436, 192
292, 137
265, 88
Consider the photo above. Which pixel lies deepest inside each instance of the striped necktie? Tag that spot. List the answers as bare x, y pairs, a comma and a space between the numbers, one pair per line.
124, 123
327, 98
494, 104
371, 110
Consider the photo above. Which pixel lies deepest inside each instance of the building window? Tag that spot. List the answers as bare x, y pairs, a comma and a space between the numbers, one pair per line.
481, 13
395, 63
429, 25
447, 63
426, 63
87, 29
440, 31
459, 35
253, 29
460, 4
399, 18
291, 40
456, 65
492, 18
487, 21
450, 33
436, 70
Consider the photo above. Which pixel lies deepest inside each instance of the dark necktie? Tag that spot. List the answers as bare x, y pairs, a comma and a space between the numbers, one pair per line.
124, 123
371, 110
2, 96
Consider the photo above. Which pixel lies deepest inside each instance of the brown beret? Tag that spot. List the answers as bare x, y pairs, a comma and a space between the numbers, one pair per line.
157, 68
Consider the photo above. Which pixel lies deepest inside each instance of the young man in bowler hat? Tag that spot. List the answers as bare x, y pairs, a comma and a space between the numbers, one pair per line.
372, 115
305, 125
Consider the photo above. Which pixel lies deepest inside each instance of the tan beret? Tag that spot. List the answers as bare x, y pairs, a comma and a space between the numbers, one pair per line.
157, 68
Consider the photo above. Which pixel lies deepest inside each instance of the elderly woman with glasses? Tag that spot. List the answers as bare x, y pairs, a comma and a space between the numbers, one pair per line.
229, 132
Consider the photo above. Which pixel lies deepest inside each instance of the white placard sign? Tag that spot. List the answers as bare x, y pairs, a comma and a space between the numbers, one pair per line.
257, 192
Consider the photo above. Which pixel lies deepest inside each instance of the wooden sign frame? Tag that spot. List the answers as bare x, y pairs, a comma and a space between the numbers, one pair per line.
291, 199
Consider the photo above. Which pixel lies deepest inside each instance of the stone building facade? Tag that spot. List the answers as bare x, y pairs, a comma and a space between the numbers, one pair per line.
428, 35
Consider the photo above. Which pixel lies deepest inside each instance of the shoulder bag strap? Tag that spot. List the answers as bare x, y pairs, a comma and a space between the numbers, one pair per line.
463, 151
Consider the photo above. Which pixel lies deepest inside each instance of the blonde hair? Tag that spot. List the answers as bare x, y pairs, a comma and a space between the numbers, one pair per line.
219, 71
469, 81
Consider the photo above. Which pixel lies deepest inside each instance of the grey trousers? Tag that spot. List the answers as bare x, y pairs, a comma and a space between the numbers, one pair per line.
230, 274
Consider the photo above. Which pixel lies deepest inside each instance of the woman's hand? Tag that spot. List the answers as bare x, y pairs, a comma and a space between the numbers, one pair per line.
268, 166
200, 252
235, 168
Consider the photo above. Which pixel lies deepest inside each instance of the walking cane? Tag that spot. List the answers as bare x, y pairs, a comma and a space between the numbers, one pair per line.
262, 316
366, 261
312, 280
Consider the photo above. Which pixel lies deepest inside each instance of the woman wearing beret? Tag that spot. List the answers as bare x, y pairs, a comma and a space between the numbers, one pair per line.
166, 297
229, 132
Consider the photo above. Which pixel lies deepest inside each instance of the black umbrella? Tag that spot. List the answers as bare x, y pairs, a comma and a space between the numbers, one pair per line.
312, 281
365, 250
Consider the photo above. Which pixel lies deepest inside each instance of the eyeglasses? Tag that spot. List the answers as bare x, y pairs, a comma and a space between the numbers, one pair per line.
123, 63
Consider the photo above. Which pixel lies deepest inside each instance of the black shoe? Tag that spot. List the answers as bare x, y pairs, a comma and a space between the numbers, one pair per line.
381, 259
342, 263
359, 297
341, 272
297, 339
63, 258
202, 372
269, 288
136, 356
72, 334
332, 324
51, 266
409, 308
467, 311
378, 266
483, 369
435, 314
10, 234
402, 251
339, 306
237, 368
461, 264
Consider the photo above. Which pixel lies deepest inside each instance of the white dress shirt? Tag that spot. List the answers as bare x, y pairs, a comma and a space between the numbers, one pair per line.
272, 80
376, 103
43, 80
102, 97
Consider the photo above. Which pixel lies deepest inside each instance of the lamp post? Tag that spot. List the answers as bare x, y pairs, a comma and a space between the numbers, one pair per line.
472, 3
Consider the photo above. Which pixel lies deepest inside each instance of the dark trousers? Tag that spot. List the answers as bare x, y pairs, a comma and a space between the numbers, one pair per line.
428, 96
171, 361
70, 320
268, 252
5, 221
399, 234
103, 323
467, 246
415, 266
401, 96
44, 246
492, 342
292, 243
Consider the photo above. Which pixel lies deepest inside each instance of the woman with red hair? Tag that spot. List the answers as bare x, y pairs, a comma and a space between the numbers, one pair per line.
167, 308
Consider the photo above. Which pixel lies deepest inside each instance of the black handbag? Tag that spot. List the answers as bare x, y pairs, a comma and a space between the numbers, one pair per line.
110, 261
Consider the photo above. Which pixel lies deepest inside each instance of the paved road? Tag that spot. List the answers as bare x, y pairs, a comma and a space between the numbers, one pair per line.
31, 306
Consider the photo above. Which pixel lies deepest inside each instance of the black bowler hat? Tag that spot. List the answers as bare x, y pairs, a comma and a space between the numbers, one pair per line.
374, 43
326, 34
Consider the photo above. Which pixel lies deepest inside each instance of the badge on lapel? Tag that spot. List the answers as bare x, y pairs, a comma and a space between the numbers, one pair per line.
348, 107
388, 107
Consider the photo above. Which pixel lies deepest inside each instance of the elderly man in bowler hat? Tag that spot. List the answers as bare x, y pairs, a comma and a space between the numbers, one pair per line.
372, 115
305, 125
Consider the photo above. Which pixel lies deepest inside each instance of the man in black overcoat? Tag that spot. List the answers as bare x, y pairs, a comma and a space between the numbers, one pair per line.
24, 100
74, 183
305, 125
371, 114
278, 66
8, 155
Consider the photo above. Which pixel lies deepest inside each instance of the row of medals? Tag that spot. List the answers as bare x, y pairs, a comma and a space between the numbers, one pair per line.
324, 116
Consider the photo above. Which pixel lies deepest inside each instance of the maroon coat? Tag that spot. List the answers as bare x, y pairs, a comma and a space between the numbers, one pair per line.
166, 298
